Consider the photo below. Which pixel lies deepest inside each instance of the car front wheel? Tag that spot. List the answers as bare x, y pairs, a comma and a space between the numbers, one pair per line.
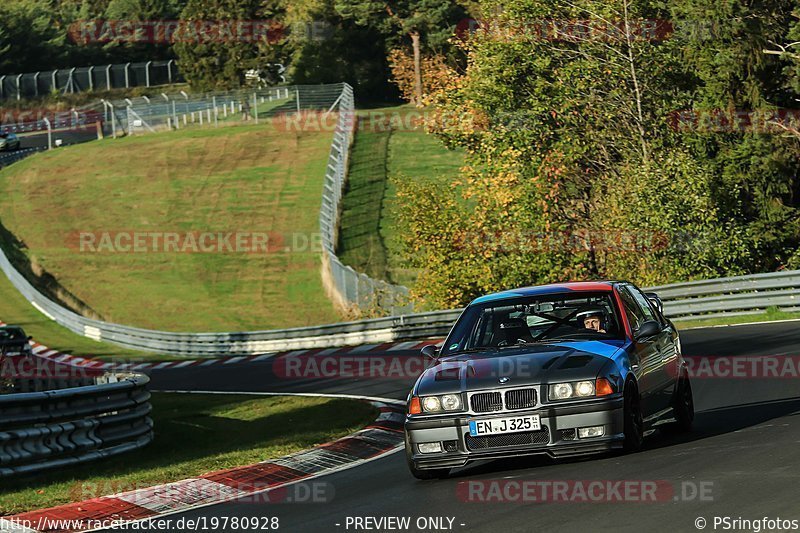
634, 423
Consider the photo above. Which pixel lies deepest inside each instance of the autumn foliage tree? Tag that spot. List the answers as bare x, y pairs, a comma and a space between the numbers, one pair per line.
574, 167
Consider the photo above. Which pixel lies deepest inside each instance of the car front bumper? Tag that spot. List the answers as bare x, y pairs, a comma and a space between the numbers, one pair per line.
557, 438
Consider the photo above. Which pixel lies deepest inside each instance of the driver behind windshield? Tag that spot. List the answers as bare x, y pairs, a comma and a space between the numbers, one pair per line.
594, 320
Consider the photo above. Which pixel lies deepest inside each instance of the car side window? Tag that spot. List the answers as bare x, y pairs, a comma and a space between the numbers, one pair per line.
633, 312
645, 302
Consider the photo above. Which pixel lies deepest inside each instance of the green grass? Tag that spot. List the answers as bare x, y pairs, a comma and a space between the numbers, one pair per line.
368, 239
248, 178
770, 315
196, 434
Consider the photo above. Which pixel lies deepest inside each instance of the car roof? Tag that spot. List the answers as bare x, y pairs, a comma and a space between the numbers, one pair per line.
552, 288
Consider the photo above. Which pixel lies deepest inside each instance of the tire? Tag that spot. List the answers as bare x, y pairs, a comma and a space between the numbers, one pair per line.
683, 405
634, 423
423, 474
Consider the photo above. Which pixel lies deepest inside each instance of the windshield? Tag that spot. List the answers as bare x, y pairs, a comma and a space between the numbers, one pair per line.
535, 319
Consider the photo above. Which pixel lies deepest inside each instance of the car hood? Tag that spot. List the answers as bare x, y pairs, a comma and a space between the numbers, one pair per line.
544, 363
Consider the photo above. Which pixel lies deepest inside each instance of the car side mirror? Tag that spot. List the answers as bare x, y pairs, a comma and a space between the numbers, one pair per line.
651, 328
656, 301
431, 350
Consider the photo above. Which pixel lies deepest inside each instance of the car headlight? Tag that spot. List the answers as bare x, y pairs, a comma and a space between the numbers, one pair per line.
431, 404
574, 389
451, 402
437, 404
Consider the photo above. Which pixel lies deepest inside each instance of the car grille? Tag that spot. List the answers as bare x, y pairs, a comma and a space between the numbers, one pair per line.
486, 402
520, 398
526, 438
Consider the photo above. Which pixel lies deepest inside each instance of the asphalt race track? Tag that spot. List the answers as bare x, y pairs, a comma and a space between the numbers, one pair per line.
741, 461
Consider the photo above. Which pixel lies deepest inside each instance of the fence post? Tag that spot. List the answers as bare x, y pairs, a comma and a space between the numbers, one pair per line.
297, 96
127, 76
255, 106
2, 88
147, 73
19, 88
174, 115
113, 121
169, 71
71, 81
91, 76
49, 133
36, 83
108, 77
216, 113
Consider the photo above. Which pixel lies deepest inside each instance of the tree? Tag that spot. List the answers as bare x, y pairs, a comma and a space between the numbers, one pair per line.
221, 63
324, 47
427, 24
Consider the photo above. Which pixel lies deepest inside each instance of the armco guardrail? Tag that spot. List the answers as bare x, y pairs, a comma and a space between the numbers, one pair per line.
734, 295
52, 429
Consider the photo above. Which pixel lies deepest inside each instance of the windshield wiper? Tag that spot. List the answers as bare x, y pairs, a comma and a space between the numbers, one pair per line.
472, 350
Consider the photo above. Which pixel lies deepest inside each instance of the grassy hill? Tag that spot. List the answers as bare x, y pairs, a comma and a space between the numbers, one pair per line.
386, 147
249, 179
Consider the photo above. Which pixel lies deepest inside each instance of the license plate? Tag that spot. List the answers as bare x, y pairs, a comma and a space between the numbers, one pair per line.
514, 424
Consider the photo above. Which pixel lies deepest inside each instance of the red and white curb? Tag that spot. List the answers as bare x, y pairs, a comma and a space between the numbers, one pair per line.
383, 436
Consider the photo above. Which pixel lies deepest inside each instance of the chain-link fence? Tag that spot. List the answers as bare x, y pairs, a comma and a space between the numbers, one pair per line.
95, 78
175, 111
353, 290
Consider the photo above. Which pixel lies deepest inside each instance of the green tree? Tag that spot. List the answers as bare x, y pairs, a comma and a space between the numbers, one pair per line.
324, 47
427, 24
217, 63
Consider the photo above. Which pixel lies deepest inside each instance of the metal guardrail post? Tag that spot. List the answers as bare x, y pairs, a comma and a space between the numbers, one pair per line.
49, 133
